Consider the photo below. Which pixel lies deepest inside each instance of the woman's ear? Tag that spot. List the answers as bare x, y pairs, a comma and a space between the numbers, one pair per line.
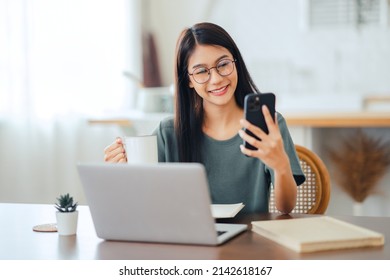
190, 84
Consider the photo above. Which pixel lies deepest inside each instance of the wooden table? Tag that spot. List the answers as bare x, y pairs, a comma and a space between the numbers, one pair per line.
18, 241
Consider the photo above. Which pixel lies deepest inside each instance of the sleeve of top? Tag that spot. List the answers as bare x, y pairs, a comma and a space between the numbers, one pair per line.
160, 142
166, 141
289, 147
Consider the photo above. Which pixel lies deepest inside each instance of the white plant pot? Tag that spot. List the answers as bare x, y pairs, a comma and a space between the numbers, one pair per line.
357, 208
151, 100
67, 222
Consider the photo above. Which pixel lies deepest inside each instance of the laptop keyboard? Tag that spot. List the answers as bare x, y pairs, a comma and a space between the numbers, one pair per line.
219, 232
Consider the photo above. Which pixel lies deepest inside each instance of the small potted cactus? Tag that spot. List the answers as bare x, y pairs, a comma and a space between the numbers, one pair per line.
67, 215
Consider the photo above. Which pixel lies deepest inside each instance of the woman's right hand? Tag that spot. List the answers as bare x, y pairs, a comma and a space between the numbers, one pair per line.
115, 152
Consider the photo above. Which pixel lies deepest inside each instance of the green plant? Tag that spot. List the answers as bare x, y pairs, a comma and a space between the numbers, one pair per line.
65, 203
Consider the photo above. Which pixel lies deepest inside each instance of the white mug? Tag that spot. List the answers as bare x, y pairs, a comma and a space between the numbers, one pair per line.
141, 149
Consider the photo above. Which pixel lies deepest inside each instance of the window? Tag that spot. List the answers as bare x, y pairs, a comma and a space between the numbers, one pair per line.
346, 13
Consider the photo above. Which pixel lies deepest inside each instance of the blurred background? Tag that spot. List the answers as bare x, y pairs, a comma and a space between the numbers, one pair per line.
64, 63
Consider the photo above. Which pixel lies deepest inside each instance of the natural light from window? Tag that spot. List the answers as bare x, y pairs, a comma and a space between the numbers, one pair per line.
64, 56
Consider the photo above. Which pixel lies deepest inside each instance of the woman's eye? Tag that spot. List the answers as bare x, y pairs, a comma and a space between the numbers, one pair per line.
223, 64
200, 71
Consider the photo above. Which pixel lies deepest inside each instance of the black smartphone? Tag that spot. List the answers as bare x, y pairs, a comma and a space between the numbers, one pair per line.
254, 114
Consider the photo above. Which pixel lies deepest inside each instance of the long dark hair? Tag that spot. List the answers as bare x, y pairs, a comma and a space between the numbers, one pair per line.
189, 106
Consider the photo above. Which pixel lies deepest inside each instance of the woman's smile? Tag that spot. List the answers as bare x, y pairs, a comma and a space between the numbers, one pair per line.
219, 91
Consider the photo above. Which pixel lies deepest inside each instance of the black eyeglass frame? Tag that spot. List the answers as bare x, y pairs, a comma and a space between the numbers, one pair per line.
209, 70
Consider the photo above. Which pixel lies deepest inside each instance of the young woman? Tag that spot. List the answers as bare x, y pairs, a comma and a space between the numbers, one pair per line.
211, 81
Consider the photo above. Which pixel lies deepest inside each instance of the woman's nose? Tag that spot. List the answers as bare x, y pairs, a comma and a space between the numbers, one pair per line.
215, 77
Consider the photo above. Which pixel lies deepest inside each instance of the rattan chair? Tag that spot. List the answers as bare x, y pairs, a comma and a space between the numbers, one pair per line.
314, 194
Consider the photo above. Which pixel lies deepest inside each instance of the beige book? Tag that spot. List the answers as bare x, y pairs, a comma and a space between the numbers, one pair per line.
317, 234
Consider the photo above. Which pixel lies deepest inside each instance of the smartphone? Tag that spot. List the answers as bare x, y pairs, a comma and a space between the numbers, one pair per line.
253, 113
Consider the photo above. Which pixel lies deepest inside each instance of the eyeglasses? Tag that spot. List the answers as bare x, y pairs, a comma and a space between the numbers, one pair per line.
202, 74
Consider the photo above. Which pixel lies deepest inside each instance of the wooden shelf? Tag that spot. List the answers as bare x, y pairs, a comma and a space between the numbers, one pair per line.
352, 119
309, 119
120, 122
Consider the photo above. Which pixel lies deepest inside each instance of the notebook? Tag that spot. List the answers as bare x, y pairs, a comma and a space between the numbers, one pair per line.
313, 234
222, 211
164, 202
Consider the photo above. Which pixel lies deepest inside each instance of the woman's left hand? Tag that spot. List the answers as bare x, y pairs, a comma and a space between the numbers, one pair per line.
270, 148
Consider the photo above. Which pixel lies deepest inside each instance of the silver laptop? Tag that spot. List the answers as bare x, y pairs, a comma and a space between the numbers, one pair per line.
164, 202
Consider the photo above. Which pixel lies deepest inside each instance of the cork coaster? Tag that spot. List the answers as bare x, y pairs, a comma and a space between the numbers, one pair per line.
45, 228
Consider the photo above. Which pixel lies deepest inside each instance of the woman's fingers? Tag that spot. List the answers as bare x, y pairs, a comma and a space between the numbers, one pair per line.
249, 139
115, 152
253, 128
118, 157
271, 124
269, 146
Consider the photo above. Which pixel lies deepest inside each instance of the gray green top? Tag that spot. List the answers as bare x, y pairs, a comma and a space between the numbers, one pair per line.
233, 177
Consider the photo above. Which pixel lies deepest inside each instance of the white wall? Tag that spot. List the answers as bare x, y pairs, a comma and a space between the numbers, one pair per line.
283, 56
330, 68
